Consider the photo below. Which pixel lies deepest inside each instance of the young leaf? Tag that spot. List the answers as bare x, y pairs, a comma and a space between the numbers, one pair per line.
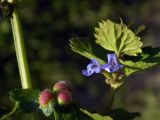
83, 48
27, 98
96, 116
118, 38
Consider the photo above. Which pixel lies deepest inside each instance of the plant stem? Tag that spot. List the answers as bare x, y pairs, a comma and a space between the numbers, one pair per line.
20, 51
110, 100
21, 54
58, 116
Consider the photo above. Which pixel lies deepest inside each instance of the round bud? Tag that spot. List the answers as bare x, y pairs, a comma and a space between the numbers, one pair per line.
45, 97
64, 98
60, 86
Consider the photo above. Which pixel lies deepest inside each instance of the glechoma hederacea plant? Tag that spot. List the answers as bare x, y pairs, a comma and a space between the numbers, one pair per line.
125, 56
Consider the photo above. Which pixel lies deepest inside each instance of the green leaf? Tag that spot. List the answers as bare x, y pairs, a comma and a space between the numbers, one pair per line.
149, 54
132, 67
97, 116
118, 38
83, 47
25, 95
149, 58
27, 98
120, 114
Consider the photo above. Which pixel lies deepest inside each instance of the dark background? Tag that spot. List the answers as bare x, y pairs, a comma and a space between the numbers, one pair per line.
48, 25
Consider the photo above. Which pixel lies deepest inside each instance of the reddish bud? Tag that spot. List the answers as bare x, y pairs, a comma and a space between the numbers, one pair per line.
64, 98
45, 97
60, 86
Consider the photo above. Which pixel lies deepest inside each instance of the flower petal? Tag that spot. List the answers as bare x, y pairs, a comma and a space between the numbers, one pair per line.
114, 58
87, 73
93, 67
94, 61
97, 70
106, 67
114, 69
89, 66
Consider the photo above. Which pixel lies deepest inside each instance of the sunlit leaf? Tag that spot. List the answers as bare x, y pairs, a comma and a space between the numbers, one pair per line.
132, 67
83, 47
149, 58
118, 38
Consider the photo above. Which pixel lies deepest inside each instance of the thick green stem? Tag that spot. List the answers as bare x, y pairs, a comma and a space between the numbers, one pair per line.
110, 100
21, 54
20, 51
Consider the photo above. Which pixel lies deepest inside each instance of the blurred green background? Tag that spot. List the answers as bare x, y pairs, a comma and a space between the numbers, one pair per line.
49, 25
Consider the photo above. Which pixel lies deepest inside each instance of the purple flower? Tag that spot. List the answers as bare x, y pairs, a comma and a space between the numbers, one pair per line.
93, 67
112, 65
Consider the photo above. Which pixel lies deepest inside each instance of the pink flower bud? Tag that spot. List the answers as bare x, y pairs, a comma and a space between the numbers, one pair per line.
60, 86
64, 98
45, 97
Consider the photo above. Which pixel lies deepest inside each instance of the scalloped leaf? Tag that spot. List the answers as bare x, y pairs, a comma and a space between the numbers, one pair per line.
82, 47
96, 116
27, 98
132, 67
149, 58
118, 38
149, 54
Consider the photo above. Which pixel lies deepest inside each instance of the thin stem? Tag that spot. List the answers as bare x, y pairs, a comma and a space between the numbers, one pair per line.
110, 100
20, 51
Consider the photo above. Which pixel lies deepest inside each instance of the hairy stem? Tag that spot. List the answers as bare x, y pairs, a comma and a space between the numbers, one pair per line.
20, 51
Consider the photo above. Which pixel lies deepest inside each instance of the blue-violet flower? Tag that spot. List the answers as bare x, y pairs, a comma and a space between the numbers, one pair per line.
112, 65
93, 67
